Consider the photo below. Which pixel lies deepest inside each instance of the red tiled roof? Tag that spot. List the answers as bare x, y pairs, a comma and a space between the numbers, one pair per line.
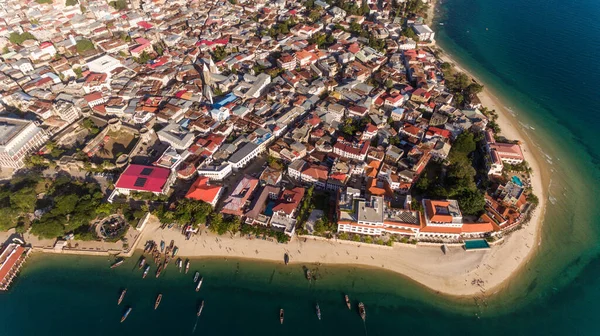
143, 178
202, 191
144, 24
7, 266
289, 200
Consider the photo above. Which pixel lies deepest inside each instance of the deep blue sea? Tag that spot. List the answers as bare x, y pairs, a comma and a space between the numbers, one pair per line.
541, 57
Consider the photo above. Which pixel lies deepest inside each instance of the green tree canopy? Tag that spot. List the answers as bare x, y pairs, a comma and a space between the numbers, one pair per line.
17, 38
84, 45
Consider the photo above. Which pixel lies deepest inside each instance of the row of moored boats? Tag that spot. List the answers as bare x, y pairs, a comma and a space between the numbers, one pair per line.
156, 251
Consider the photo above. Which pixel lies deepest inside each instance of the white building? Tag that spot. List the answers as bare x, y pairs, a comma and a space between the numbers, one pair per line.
424, 33
66, 111
244, 155
103, 64
18, 138
373, 218
176, 136
214, 172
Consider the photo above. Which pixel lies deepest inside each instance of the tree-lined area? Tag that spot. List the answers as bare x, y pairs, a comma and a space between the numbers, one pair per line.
457, 179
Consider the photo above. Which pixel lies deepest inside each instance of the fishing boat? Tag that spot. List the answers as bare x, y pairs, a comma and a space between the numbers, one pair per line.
160, 268
362, 311
286, 258
162, 246
117, 263
146, 270
142, 263
171, 245
281, 316
179, 264
175, 250
308, 275
196, 276
187, 266
200, 308
124, 317
318, 312
347, 301
199, 284
122, 296
157, 302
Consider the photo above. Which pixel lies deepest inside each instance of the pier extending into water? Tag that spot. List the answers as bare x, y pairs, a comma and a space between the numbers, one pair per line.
12, 258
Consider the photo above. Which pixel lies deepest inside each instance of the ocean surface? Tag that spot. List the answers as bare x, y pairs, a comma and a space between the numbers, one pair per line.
541, 58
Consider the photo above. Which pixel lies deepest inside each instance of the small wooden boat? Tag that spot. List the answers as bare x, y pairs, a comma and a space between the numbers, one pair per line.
162, 246
157, 302
126, 314
347, 301
200, 308
196, 276
362, 311
187, 266
318, 312
146, 270
179, 264
175, 250
286, 258
142, 262
160, 268
171, 245
308, 275
117, 263
199, 284
122, 296
281, 316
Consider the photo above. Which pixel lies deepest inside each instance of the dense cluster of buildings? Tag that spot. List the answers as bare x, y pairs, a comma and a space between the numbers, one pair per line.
220, 84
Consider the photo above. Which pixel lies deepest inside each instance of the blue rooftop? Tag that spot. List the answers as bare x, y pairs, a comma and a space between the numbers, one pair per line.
226, 100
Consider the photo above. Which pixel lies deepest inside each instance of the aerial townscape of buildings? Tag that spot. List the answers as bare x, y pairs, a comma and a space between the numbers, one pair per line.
331, 118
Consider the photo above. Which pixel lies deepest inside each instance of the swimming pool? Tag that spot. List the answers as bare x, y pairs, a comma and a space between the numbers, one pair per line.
516, 180
476, 244
269, 208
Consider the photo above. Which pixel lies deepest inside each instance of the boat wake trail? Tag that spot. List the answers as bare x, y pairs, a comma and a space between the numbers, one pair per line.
195, 324
365, 325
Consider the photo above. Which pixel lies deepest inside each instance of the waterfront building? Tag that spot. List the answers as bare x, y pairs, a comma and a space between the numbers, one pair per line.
11, 259
18, 138
203, 190
236, 201
140, 178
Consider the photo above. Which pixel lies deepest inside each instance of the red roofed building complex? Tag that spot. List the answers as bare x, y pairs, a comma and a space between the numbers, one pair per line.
353, 150
315, 174
139, 178
202, 190
443, 220
288, 202
236, 202
12, 258
500, 153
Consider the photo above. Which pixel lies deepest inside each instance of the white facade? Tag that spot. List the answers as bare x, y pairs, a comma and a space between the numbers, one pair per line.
66, 111
215, 173
18, 138
104, 64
